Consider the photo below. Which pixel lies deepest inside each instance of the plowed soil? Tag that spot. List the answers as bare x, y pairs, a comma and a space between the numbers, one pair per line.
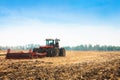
77, 65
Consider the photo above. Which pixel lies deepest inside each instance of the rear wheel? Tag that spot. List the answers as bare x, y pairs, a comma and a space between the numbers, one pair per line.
49, 52
62, 52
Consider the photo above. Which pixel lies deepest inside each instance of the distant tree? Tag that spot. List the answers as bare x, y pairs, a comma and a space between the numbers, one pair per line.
67, 48
90, 47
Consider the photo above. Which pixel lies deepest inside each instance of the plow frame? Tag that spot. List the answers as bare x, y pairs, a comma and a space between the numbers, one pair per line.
24, 55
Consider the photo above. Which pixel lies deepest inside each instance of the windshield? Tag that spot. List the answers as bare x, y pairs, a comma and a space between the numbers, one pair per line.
49, 42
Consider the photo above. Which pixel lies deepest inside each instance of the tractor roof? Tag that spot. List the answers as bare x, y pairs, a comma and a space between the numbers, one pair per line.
49, 39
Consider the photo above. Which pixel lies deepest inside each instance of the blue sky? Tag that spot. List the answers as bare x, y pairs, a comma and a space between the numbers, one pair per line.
73, 21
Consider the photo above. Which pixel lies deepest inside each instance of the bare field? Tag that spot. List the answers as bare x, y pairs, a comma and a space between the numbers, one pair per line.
77, 65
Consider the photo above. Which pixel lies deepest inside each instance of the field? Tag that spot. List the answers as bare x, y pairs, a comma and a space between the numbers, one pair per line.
77, 65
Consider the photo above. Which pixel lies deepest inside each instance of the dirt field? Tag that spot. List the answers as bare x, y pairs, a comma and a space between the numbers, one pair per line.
77, 65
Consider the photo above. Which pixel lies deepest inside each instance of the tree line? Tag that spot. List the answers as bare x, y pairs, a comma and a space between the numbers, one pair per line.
25, 47
93, 48
79, 47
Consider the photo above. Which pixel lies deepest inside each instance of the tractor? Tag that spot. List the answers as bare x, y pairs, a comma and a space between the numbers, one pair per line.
51, 49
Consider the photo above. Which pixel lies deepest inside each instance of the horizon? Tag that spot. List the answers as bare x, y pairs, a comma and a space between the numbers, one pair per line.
74, 22
60, 45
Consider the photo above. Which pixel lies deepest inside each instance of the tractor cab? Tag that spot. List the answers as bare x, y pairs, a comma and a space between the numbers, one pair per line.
49, 42
52, 42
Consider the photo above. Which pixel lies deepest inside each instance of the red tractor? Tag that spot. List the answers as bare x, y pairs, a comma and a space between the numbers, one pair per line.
50, 50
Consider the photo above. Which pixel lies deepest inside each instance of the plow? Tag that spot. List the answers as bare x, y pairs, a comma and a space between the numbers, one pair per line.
51, 49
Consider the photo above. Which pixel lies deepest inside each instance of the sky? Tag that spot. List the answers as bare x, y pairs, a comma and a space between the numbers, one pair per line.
74, 22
